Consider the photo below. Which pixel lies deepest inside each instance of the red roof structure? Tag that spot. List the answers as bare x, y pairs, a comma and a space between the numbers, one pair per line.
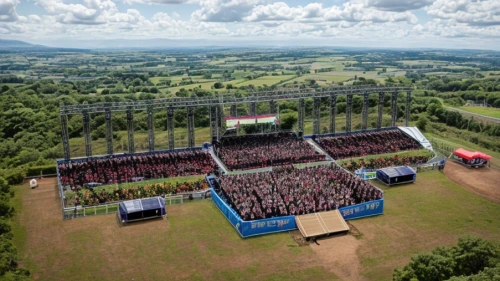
469, 155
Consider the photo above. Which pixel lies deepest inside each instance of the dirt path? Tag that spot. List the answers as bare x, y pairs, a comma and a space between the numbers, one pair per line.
338, 254
484, 182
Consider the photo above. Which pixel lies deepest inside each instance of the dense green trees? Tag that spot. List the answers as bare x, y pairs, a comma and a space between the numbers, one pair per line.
8, 252
472, 259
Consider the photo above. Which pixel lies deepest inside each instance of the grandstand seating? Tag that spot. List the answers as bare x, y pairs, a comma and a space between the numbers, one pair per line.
257, 151
127, 168
290, 191
367, 143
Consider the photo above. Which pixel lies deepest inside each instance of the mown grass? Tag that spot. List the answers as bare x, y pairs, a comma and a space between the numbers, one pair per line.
457, 143
197, 242
487, 111
418, 217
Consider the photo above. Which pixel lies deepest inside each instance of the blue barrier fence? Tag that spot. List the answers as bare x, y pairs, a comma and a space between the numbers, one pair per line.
251, 228
362, 210
286, 223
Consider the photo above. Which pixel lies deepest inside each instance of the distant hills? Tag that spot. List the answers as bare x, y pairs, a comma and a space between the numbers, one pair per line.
17, 44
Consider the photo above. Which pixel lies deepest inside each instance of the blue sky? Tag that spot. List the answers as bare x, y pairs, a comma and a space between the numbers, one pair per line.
359, 23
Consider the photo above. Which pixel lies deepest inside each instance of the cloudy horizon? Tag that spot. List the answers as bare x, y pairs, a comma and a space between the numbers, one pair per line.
463, 24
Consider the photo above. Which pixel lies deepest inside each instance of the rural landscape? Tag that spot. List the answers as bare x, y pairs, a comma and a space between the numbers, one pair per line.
450, 91
249, 140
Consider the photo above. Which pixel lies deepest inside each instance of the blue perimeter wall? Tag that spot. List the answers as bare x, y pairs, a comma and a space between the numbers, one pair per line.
286, 223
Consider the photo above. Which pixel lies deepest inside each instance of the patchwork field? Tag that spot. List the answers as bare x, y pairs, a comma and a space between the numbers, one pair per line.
197, 243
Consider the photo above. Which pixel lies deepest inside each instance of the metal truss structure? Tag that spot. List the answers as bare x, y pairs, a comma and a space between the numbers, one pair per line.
216, 106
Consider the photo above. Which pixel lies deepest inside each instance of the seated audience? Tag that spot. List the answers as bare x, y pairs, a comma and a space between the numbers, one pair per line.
369, 143
290, 191
258, 151
129, 168
384, 162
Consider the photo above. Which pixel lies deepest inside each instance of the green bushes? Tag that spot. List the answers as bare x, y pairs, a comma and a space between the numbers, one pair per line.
41, 170
8, 252
467, 261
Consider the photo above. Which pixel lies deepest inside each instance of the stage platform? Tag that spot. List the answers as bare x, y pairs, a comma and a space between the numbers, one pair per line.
319, 224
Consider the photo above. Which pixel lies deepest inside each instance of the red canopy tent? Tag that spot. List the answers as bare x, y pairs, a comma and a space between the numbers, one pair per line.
469, 155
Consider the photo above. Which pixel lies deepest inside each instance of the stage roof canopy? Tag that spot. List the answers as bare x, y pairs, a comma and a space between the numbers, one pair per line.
469, 155
398, 171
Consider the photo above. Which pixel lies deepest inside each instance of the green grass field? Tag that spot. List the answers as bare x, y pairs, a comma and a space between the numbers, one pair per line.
488, 111
456, 143
197, 242
265, 80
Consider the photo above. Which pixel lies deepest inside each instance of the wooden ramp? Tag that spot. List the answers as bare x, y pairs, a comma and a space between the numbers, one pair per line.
319, 224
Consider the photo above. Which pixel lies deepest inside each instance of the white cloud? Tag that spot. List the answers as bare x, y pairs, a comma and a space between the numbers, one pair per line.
363, 21
398, 5
473, 13
8, 10
224, 10
358, 12
130, 2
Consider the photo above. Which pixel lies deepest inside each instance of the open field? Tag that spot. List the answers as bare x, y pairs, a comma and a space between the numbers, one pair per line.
456, 143
488, 111
265, 80
197, 243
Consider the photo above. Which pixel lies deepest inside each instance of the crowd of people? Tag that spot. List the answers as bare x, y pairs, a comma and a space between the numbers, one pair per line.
290, 191
383, 162
128, 168
258, 151
367, 143
87, 197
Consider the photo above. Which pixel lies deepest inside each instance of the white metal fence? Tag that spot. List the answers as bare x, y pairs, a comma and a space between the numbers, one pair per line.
111, 208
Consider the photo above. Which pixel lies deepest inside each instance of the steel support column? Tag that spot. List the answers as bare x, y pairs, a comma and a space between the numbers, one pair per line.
300, 110
394, 108
365, 111
408, 104
348, 111
86, 134
220, 120
333, 113
213, 122
190, 124
109, 131
130, 129
380, 109
151, 129
234, 110
65, 136
252, 108
316, 115
272, 107
170, 127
